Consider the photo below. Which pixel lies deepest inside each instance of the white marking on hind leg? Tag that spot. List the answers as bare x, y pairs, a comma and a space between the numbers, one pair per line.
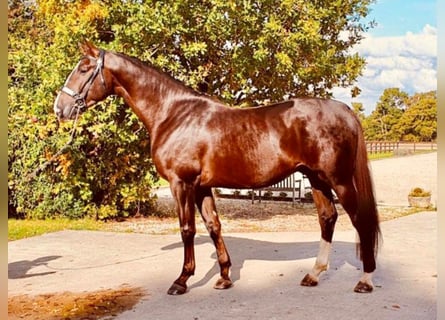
322, 261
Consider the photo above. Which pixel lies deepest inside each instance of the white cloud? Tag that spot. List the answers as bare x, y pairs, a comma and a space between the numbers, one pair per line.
408, 62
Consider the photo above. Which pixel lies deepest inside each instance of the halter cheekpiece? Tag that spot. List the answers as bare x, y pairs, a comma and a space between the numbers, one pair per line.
80, 96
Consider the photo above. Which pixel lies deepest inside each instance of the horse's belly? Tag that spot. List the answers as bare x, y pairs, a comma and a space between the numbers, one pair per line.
242, 174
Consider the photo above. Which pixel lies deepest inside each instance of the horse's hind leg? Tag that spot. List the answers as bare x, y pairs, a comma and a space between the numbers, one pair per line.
327, 216
347, 195
207, 208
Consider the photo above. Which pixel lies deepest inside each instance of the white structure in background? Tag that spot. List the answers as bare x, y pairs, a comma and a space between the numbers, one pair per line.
295, 187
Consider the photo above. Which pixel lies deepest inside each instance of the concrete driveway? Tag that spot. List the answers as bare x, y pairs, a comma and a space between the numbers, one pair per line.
395, 177
267, 268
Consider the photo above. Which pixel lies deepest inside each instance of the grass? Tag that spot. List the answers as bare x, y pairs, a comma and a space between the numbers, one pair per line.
162, 183
382, 155
19, 229
391, 154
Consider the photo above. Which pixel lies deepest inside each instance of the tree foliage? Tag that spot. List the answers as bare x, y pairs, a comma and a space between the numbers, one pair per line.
381, 123
419, 121
244, 52
107, 171
359, 110
399, 117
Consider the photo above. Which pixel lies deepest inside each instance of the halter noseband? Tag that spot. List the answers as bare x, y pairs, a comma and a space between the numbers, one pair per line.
80, 96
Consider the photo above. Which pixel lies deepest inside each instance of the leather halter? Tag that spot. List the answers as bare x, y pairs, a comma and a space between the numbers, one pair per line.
79, 97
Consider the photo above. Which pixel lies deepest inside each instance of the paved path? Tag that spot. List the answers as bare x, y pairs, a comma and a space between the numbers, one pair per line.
395, 177
266, 271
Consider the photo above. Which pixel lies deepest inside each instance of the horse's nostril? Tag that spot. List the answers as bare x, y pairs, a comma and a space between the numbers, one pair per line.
57, 111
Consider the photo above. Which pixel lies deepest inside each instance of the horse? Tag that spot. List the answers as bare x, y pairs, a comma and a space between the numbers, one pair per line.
197, 143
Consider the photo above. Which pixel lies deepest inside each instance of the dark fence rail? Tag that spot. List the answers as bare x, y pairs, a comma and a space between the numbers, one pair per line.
389, 146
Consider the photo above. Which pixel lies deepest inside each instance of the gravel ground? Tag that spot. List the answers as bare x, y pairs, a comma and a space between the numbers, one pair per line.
241, 216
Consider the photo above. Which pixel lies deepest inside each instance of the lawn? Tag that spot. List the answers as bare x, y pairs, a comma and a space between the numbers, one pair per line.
19, 229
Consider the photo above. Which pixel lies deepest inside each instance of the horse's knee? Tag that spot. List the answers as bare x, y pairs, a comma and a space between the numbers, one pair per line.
187, 233
212, 223
213, 227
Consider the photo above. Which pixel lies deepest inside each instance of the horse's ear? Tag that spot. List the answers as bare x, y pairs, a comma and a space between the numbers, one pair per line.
89, 49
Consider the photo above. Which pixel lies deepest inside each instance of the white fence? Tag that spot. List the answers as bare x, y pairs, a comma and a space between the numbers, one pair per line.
295, 188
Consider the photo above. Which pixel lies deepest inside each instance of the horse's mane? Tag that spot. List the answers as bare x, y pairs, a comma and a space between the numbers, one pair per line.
160, 72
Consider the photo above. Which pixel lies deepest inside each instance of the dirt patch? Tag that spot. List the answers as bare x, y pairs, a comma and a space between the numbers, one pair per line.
102, 304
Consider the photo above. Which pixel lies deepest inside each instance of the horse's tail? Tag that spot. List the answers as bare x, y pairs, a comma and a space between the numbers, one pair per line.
367, 223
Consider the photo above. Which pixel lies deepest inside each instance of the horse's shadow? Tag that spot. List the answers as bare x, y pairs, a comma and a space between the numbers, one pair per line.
243, 249
20, 269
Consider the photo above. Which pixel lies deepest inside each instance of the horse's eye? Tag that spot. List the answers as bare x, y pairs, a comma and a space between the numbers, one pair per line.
83, 69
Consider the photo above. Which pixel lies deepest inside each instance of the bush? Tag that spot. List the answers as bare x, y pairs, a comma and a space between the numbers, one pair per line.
236, 193
283, 194
309, 196
267, 194
107, 171
419, 192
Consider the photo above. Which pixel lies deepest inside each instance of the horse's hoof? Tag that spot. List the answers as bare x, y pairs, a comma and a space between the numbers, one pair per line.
363, 287
177, 289
309, 281
222, 284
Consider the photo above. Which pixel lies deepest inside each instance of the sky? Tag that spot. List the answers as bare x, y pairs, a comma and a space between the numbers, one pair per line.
401, 51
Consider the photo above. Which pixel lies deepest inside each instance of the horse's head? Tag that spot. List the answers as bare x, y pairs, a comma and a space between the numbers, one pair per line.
86, 85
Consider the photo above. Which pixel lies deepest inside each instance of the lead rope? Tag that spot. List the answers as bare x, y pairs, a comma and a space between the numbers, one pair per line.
43, 166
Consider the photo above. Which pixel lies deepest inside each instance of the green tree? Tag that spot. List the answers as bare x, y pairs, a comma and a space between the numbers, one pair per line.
244, 52
107, 171
381, 124
419, 121
359, 110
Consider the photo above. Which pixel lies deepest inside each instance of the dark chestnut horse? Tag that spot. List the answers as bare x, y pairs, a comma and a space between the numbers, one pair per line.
198, 143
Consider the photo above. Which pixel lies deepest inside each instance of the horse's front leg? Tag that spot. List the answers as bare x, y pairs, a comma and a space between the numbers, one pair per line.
207, 208
184, 195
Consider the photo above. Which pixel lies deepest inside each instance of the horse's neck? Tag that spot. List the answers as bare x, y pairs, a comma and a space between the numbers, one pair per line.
147, 91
